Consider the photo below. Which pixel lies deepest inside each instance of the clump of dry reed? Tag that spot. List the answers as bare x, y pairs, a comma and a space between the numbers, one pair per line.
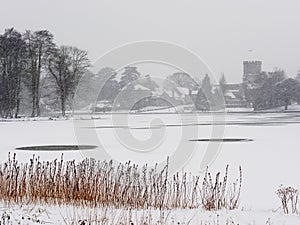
102, 184
289, 197
216, 195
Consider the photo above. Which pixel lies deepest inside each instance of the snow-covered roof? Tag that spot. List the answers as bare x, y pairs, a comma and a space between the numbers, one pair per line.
183, 90
230, 94
140, 87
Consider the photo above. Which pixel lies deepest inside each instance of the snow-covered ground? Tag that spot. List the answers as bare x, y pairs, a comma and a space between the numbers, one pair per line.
73, 215
271, 159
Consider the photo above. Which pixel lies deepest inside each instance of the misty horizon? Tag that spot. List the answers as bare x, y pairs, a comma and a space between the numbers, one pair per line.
223, 34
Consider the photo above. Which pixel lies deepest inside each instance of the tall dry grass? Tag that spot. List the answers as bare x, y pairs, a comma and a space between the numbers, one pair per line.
102, 184
216, 195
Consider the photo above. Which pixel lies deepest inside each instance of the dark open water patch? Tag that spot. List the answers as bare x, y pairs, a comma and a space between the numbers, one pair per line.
57, 147
223, 139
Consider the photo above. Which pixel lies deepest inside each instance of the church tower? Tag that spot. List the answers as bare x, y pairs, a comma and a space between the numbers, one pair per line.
252, 70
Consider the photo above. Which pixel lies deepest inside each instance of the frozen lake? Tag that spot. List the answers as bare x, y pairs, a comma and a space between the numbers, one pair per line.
271, 159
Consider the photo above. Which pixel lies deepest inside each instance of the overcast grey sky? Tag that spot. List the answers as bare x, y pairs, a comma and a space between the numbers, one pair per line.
220, 32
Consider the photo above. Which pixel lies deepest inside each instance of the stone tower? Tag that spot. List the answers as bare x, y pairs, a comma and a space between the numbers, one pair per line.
252, 70
252, 67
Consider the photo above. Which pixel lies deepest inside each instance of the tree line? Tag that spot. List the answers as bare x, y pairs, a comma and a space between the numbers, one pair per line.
38, 75
27, 60
269, 90
272, 89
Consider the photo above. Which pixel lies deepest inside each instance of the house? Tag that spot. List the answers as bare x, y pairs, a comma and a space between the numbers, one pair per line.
234, 96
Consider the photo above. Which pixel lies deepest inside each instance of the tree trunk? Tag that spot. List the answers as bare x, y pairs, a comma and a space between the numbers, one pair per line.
33, 86
63, 105
18, 99
37, 105
37, 100
33, 106
18, 108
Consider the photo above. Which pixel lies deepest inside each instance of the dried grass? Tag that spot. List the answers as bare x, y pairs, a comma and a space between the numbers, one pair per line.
102, 184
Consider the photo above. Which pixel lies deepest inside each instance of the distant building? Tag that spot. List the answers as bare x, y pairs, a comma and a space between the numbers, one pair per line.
181, 95
252, 72
234, 96
141, 87
252, 67
254, 78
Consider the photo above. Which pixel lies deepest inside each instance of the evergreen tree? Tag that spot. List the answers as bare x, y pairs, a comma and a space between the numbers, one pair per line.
288, 90
207, 87
110, 86
128, 76
201, 101
265, 95
222, 83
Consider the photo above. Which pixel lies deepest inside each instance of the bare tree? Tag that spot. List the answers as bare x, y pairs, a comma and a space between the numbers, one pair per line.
40, 46
67, 66
12, 64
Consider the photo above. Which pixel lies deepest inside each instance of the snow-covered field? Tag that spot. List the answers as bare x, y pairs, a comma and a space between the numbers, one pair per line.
271, 159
